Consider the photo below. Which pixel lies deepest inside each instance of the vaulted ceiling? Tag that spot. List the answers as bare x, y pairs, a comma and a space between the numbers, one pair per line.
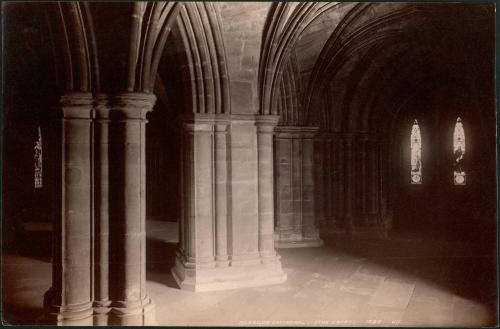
358, 63
341, 66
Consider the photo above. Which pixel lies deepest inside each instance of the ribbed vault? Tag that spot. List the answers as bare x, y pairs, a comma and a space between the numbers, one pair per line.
360, 72
194, 60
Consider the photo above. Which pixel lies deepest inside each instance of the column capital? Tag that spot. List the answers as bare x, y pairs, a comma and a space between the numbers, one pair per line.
287, 131
76, 105
266, 123
206, 118
132, 105
243, 118
198, 126
205, 122
296, 132
101, 106
77, 99
221, 127
309, 132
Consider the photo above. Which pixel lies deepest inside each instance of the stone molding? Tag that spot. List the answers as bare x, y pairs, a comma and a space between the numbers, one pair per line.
131, 105
263, 122
77, 106
296, 132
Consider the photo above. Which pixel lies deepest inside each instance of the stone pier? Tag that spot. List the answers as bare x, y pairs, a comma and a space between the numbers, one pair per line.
295, 220
227, 204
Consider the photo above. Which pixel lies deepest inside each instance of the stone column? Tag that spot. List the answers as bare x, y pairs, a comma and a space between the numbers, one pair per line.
295, 186
341, 182
227, 190
328, 181
319, 180
349, 183
385, 212
334, 158
244, 167
221, 188
130, 302
69, 300
310, 232
265, 131
101, 190
375, 173
363, 143
197, 250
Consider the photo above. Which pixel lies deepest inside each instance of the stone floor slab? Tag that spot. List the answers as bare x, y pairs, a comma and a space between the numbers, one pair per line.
392, 294
325, 287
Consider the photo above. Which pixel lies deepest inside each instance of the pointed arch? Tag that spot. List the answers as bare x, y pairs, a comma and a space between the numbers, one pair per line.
73, 29
283, 27
199, 25
353, 34
151, 24
200, 28
288, 105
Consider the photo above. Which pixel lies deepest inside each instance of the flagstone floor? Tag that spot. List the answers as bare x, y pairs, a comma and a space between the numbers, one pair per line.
350, 281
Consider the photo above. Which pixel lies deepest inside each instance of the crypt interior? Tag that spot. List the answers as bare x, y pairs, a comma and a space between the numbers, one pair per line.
249, 163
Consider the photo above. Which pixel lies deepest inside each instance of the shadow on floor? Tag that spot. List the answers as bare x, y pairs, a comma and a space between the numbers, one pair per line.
464, 269
32, 244
160, 258
17, 315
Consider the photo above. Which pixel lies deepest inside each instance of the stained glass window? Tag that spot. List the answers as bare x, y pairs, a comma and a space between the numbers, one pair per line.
459, 153
38, 160
416, 154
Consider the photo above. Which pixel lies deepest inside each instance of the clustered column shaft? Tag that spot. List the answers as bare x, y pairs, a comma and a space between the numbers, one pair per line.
227, 173
99, 243
128, 208
69, 301
349, 183
221, 191
101, 189
265, 130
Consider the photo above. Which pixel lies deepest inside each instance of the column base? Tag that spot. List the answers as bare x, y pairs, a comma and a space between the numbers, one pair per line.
65, 317
101, 312
140, 314
77, 314
239, 275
